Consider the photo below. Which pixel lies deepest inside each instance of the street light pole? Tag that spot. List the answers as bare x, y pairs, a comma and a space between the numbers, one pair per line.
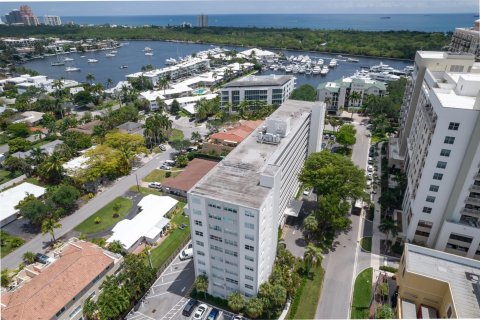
149, 258
136, 178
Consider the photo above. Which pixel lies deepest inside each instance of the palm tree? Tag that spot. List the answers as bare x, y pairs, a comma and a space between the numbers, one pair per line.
38, 155
354, 97
327, 101
163, 83
90, 77
90, 309
311, 258
195, 136
52, 167
58, 93
201, 284
109, 82
388, 227
116, 247
29, 257
49, 225
161, 104
236, 301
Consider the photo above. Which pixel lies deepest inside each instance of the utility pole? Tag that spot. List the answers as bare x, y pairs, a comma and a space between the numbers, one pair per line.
136, 178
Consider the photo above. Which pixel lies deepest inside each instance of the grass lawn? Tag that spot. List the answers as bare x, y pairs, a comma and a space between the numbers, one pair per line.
106, 214
158, 175
366, 243
146, 191
362, 294
35, 181
176, 135
4, 176
160, 254
9, 243
309, 296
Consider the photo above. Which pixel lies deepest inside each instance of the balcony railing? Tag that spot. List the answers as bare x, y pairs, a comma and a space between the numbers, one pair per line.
468, 211
472, 199
475, 187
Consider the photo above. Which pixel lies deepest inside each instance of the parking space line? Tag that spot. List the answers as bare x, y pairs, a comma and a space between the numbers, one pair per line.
182, 303
173, 272
157, 295
146, 316
164, 283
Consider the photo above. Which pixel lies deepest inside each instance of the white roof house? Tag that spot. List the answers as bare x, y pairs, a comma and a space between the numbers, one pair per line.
148, 224
11, 197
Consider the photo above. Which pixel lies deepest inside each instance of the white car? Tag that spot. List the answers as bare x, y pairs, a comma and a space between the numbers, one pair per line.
369, 176
162, 147
155, 185
370, 168
200, 312
165, 167
306, 192
186, 254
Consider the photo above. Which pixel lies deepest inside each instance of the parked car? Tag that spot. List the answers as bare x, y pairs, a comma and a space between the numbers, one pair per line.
155, 185
213, 314
165, 167
189, 307
42, 258
162, 147
170, 163
370, 168
200, 312
186, 254
306, 192
369, 176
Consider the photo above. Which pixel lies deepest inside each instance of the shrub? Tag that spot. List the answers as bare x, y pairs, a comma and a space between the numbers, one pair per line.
168, 174
389, 269
98, 220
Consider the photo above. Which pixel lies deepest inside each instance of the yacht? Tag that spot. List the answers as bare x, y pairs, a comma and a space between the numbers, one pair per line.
308, 71
113, 51
123, 67
352, 60
295, 70
288, 69
383, 76
71, 69
58, 63
316, 70
82, 56
333, 63
170, 61
148, 49
110, 55
68, 59
324, 70
320, 62
92, 60
381, 68
149, 53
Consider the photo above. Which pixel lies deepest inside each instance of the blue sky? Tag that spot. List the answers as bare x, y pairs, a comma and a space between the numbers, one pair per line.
180, 7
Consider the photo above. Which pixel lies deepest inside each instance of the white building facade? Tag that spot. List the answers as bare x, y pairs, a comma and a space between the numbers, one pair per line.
236, 209
52, 20
272, 89
441, 206
467, 40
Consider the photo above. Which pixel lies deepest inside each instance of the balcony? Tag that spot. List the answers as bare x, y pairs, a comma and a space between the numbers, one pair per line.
469, 221
472, 200
470, 212
474, 187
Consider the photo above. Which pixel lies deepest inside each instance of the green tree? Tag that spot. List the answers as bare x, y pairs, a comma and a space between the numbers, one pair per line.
236, 301
33, 209
180, 144
90, 78
116, 209
201, 284
77, 140
18, 130
38, 155
63, 196
14, 164
195, 136
305, 93
116, 247
390, 228
52, 168
136, 275
109, 82
254, 308
97, 220
90, 309
29, 257
181, 161
83, 98
310, 225
164, 83
384, 312
113, 300
311, 258
6, 278
175, 107
18, 144
49, 225
346, 135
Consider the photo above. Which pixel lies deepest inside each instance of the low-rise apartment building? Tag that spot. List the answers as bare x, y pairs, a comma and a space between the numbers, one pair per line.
58, 289
441, 206
435, 284
271, 89
236, 209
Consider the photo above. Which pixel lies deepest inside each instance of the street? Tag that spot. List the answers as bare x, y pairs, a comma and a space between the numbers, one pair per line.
40, 242
340, 263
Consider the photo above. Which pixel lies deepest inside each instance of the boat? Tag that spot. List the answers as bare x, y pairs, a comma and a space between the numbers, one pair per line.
58, 63
109, 55
92, 60
383, 76
148, 49
308, 71
324, 70
113, 51
123, 67
149, 53
352, 60
71, 69
333, 63
82, 56
381, 68
68, 59
320, 62
170, 61
288, 69
316, 70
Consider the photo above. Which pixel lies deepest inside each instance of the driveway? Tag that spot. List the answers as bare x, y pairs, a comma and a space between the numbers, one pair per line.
188, 127
40, 242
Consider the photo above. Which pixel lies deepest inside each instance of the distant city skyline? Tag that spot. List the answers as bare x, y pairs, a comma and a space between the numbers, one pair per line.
130, 8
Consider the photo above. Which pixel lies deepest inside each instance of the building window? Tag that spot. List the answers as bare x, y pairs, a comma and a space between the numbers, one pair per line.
248, 268
434, 188
216, 228
449, 140
427, 210
251, 248
458, 237
430, 199
198, 223
231, 280
200, 253
231, 242
249, 286
248, 258
249, 277
199, 233
456, 68
453, 126
249, 237
232, 253
231, 263
249, 225
213, 216
201, 262
200, 243
216, 248
438, 176
249, 214
445, 153
197, 212
441, 164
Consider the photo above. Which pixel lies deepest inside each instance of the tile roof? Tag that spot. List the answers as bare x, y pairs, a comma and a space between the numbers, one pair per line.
239, 133
56, 285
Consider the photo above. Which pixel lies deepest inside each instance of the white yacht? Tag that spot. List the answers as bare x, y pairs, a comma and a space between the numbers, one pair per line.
352, 60
148, 49
71, 69
333, 63
58, 63
381, 68
288, 69
149, 53
170, 61
110, 55
113, 51
383, 76
324, 70
92, 60
68, 59
320, 62
316, 70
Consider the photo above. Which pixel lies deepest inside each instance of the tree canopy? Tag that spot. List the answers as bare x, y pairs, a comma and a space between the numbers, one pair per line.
305, 93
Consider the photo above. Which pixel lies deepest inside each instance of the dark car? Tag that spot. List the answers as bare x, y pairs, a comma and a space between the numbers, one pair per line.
213, 314
42, 258
189, 307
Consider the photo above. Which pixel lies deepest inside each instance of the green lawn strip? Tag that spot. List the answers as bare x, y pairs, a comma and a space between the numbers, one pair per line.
106, 215
307, 299
5, 176
176, 135
159, 175
362, 294
35, 181
366, 243
146, 191
9, 243
160, 254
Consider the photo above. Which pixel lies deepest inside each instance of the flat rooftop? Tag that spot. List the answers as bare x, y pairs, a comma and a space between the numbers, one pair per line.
460, 273
456, 90
196, 169
257, 81
236, 179
11, 197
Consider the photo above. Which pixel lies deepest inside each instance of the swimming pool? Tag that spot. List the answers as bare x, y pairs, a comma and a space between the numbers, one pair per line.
200, 91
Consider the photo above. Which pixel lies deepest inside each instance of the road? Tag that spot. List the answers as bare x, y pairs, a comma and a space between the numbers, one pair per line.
40, 242
340, 264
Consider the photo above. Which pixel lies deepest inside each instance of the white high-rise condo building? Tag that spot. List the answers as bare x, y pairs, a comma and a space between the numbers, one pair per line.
52, 20
441, 206
467, 40
236, 209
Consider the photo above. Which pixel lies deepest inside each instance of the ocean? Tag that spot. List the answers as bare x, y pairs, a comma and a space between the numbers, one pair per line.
132, 55
364, 22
